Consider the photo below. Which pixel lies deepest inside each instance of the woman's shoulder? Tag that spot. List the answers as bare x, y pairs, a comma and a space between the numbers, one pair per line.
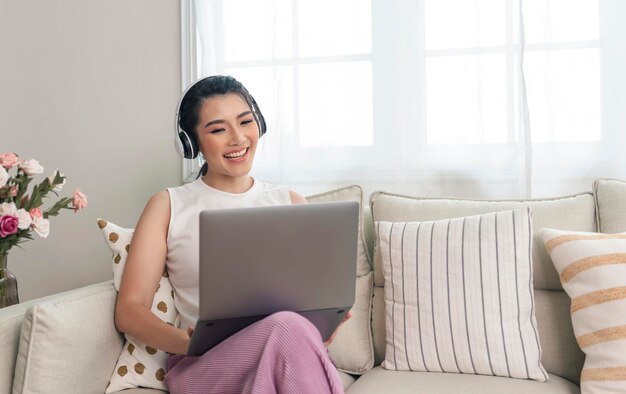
159, 200
156, 212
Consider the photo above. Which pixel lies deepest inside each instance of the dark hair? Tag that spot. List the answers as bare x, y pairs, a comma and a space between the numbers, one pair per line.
216, 85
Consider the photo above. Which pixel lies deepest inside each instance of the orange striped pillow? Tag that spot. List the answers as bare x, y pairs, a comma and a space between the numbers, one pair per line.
592, 268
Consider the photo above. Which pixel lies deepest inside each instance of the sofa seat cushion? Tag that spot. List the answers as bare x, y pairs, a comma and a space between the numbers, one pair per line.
380, 380
346, 379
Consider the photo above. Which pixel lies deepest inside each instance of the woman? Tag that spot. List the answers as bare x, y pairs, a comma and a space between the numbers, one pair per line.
281, 353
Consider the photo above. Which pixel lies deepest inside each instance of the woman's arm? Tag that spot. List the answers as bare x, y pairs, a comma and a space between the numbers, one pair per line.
143, 270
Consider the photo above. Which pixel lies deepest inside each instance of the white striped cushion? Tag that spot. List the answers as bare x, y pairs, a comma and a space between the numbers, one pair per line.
459, 295
592, 268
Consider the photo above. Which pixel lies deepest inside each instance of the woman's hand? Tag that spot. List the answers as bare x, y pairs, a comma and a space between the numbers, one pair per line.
189, 332
334, 334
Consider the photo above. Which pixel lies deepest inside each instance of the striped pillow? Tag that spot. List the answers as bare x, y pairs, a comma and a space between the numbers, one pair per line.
592, 267
459, 295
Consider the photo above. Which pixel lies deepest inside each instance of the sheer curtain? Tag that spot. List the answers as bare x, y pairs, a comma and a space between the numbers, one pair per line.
478, 99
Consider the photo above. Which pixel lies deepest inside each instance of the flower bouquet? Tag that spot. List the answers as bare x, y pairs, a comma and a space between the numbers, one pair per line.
21, 213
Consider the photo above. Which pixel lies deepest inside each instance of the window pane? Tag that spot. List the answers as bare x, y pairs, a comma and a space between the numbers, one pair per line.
257, 29
334, 27
560, 20
464, 24
336, 104
564, 94
466, 99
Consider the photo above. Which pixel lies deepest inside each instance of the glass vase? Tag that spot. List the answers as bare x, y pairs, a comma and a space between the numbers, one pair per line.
8, 284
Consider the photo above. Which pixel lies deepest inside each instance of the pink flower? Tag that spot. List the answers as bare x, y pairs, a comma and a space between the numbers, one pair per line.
79, 200
13, 191
58, 187
35, 213
24, 219
8, 160
8, 209
31, 167
4, 176
8, 225
41, 226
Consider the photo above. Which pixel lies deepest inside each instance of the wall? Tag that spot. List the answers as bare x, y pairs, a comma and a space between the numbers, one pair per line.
89, 87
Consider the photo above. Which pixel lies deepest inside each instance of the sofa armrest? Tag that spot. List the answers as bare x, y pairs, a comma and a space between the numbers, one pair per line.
10, 326
68, 342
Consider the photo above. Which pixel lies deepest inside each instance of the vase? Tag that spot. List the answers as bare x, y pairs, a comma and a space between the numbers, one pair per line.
8, 284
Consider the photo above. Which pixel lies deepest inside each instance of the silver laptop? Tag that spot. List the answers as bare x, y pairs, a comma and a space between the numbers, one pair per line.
257, 261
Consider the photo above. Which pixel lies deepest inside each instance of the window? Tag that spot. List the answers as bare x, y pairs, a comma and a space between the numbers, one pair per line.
421, 92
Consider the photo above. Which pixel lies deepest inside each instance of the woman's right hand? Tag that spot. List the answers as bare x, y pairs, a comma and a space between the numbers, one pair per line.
185, 348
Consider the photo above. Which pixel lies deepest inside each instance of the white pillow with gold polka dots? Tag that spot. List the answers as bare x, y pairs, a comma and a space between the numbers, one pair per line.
138, 365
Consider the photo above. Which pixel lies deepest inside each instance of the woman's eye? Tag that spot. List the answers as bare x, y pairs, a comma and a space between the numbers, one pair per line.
216, 131
245, 122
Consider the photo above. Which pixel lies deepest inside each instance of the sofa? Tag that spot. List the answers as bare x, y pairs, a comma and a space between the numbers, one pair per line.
67, 343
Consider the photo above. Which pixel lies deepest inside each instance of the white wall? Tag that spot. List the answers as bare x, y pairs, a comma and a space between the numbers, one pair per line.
89, 87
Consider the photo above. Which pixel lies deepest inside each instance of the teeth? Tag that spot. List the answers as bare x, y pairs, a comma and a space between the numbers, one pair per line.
235, 155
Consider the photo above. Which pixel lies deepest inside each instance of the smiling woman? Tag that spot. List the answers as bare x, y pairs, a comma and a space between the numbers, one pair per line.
219, 119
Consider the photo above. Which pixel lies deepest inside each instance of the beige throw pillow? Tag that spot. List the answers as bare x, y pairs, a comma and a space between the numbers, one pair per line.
352, 350
459, 295
592, 268
138, 365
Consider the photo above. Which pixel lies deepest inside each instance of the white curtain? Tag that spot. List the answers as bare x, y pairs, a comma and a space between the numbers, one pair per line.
469, 98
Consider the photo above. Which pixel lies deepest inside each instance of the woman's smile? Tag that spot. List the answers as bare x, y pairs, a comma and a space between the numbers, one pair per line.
237, 156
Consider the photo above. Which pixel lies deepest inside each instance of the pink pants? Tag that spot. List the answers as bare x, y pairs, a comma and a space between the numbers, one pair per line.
282, 353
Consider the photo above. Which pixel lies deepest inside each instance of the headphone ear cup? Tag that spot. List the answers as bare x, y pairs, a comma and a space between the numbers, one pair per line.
258, 116
262, 124
186, 146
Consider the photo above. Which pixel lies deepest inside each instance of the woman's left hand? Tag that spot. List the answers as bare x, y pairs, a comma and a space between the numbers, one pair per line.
334, 334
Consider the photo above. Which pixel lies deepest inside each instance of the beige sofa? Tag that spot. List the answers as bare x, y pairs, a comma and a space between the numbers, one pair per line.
67, 343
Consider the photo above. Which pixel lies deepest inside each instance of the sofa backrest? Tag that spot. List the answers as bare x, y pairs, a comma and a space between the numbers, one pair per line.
65, 342
560, 352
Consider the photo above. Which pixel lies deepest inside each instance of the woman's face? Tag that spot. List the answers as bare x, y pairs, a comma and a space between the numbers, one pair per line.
227, 135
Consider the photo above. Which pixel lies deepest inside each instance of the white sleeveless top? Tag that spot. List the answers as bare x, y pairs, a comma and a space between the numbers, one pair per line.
186, 203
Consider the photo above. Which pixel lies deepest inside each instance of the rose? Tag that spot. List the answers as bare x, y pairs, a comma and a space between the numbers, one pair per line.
41, 226
58, 187
35, 213
79, 200
8, 225
8, 209
4, 176
24, 219
8, 159
31, 167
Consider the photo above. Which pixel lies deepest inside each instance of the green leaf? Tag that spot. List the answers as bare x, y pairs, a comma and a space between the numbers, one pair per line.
56, 208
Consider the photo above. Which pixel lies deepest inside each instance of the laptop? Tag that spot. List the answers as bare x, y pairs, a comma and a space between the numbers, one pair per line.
261, 260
